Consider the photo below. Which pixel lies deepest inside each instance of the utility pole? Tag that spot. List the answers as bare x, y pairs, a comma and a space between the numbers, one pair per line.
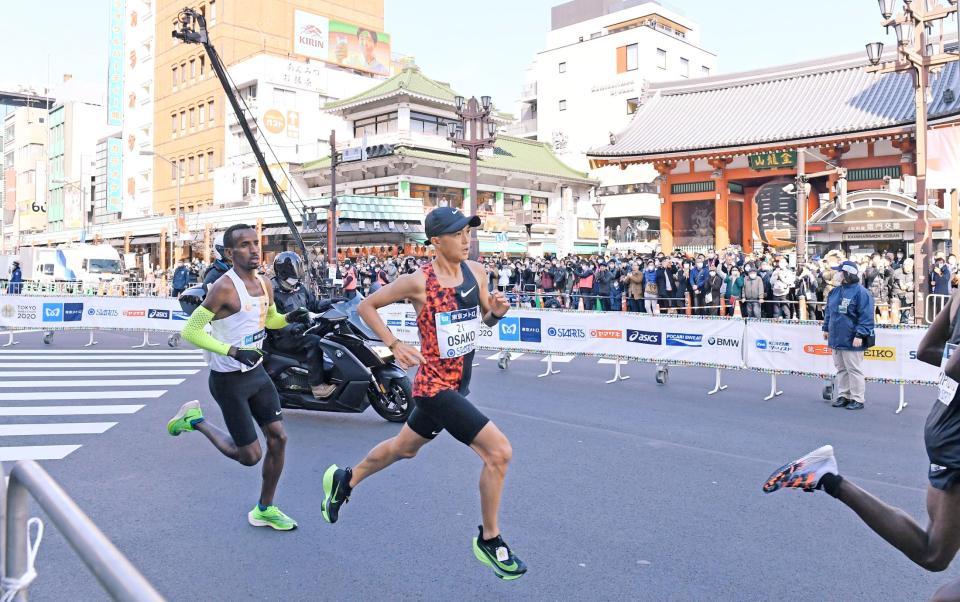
332, 209
917, 52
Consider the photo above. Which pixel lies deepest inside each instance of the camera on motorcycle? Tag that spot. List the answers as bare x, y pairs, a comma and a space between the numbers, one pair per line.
192, 298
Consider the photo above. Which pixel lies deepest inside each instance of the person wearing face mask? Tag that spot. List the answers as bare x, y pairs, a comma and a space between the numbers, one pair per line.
634, 282
753, 293
940, 276
903, 290
847, 324
712, 287
668, 286
698, 280
782, 280
650, 289
897, 261
584, 286
763, 274
734, 290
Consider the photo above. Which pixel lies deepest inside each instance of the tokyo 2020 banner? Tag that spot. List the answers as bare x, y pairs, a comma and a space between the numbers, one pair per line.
20, 312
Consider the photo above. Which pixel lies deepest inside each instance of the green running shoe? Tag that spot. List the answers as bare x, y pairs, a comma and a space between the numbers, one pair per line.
271, 517
497, 555
181, 422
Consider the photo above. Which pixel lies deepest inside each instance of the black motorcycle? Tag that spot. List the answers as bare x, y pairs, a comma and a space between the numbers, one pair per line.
361, 366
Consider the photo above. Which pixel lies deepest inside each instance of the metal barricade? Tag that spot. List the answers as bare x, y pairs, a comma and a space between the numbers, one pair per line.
934, 304
118, 577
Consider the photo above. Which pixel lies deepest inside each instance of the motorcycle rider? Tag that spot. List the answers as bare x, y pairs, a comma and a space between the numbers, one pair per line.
290, 293
219, 267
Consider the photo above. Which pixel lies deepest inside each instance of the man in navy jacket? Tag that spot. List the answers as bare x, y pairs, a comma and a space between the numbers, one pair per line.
847, 321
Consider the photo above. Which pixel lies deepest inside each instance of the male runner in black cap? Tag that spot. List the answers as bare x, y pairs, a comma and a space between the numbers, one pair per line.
450, 306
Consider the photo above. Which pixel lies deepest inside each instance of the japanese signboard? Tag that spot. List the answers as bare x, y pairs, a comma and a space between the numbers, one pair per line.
775, 160
114, 173
115, 63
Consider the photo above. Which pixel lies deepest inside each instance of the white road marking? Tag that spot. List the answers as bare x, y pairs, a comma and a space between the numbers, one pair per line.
69, 410
62, 395
102, 351
131, 373
513, 355
63, 428
609, 361
93, 358
39, 384
36, 452
144, 364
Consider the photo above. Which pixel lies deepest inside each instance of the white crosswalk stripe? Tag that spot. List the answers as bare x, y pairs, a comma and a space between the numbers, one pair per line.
56, 386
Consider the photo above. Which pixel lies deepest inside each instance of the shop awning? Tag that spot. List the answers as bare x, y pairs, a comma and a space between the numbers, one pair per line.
502, 247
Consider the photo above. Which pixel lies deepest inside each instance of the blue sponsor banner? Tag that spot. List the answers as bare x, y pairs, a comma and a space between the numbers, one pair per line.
158, 314
509, 329
114, 175
72, 312
530, 330
53, 312
644, 337
181, 315
684, 339
115, 62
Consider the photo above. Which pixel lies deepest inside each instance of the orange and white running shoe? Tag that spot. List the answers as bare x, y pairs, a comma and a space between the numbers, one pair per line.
804, 473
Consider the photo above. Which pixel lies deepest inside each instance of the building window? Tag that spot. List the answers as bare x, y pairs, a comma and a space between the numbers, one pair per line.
632, 104
513, 207
193, 117
201, 109
191, 163
684, 67
213, 12
193, 68
183, 169
282, 97
429, 124
595, 35
563, 105
632, 57
661, 58
183, 120
562, 67
211, 114
705, 71
201, 158
379, 124
183, 72
437, 196
173, 122
175, 80
210, 163
389, 190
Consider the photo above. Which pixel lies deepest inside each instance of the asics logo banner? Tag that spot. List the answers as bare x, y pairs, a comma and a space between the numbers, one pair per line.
159, 314
644, 337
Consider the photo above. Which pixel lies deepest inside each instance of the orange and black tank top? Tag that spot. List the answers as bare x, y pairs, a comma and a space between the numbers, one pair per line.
449, 324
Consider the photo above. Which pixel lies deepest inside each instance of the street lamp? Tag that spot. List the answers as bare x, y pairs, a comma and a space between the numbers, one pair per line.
176, 216
475, 121
598, 207
917, 52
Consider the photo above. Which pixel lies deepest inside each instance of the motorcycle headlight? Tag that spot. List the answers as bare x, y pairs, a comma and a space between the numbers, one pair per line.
383, 352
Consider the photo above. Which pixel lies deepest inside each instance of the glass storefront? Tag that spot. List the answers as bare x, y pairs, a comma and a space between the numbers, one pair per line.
437, 196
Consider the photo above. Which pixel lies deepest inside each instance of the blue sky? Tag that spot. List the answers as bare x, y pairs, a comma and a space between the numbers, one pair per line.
479, 46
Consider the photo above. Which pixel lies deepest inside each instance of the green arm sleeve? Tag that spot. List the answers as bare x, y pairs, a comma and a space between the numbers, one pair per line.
194, 332
275, 321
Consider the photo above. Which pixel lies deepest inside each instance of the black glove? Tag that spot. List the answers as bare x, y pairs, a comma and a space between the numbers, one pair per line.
301, 315
247, 356
298, 329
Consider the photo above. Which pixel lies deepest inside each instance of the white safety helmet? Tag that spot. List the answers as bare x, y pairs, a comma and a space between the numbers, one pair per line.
218, 248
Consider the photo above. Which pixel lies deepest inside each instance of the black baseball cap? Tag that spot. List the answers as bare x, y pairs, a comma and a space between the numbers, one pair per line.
447, 220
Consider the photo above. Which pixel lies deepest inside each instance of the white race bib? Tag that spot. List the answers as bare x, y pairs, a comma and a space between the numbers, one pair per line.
947, 386
457, 331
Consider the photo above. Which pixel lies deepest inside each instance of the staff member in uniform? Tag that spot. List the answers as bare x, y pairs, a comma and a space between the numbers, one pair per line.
847, 321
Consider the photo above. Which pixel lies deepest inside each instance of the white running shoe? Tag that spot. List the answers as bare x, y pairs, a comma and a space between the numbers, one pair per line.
804, 473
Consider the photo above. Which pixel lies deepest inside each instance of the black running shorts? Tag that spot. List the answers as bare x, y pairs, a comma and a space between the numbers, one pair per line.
245, 397
448, 410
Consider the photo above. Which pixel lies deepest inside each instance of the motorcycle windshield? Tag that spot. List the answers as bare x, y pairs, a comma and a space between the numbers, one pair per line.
351, 308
